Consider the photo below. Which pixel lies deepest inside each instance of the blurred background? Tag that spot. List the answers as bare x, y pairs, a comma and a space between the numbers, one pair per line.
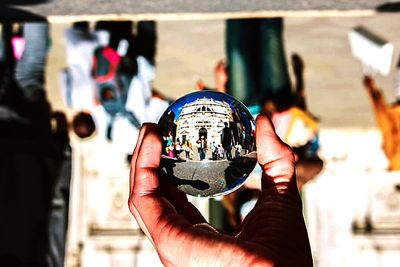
351, 196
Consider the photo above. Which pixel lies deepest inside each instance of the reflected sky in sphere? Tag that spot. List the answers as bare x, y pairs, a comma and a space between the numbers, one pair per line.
208, 144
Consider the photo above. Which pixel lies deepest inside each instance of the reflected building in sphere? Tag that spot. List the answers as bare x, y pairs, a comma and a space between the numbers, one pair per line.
208, 144
203, 117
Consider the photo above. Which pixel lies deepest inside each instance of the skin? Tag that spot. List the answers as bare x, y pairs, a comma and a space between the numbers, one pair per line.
221, 76
273, 234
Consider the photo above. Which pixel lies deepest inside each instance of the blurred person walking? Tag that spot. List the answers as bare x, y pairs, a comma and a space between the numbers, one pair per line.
188, 148
387, 117
257, 73
35, 160
201, 147
227, 139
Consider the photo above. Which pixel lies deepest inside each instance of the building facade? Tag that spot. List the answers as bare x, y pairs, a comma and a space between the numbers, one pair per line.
203, 117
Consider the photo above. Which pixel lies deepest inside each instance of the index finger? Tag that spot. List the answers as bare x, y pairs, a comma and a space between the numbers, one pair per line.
152, 210
143, 169
134, 157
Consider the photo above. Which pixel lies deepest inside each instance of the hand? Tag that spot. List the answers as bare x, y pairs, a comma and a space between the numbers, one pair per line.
369, 82
371, 87
273, 234
297, 64
200, 85
221, 76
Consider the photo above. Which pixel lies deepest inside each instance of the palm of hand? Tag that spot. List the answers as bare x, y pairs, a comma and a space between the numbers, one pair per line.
273, 232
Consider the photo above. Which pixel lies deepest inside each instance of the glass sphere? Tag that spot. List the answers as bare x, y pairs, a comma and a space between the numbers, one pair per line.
208, 143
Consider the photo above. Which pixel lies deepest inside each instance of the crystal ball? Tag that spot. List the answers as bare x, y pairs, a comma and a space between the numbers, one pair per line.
208, 144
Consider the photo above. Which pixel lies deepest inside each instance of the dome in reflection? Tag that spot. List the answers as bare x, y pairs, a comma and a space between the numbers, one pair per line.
208, 144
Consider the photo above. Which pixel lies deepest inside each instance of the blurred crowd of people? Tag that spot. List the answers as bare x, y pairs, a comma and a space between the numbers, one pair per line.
108, 83
226, 149
109, 80
35, 163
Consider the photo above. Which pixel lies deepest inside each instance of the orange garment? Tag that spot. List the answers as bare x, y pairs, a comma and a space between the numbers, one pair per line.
388, 120
295, 126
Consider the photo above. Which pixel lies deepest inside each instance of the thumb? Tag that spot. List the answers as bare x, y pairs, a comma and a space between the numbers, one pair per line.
275, 157
276, 222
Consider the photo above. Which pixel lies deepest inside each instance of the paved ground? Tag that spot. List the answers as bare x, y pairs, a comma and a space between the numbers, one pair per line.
208, 177
188, 50
77, 7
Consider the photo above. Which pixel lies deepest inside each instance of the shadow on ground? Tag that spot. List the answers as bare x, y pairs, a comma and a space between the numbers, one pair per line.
389, 7
10, 14
24, 2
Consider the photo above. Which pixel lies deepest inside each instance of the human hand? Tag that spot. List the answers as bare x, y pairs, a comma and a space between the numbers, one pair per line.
369, 82
273, 234
372, 89
297, 64
221, 76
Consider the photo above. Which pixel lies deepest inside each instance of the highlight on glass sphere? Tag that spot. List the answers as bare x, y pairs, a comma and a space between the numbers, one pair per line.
208, 144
